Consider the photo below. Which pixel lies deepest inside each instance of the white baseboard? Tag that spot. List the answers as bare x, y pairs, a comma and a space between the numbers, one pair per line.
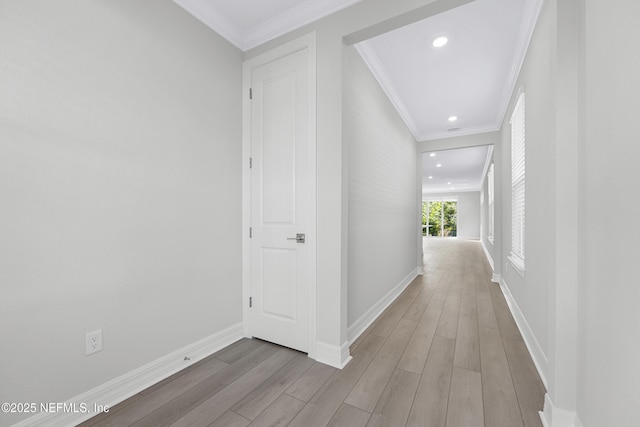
552, 416
496, 278
360, 325
332, 355
133, 382
538, 356
488, 255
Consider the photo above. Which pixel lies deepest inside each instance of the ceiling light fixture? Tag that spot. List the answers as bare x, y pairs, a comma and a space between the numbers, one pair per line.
430, 177
432, 155
448, 183
453, 118
440, 41
439, 165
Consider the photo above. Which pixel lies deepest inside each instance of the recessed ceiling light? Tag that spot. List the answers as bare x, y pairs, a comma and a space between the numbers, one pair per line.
440, 41
432, 155
439, 165
448, 183
430, 177
453, 118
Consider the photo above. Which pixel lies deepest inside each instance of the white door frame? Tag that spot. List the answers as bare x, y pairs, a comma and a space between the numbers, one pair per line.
307, 42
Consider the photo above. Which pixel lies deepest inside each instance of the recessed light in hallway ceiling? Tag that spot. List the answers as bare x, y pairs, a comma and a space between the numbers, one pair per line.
464, 171
472, 76
440, 41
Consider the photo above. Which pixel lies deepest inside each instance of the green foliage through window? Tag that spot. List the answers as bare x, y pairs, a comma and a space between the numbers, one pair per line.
440, 218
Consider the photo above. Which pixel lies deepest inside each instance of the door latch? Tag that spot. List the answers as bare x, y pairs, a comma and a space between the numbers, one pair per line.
300, 238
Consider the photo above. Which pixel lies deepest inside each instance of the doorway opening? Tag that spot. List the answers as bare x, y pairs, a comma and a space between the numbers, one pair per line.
440, 218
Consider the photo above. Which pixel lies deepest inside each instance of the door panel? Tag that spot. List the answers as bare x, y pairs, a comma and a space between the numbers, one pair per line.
279, 283
279, 211
278, 148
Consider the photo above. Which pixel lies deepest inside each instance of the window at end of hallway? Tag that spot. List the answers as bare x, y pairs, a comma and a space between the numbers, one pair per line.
517, 255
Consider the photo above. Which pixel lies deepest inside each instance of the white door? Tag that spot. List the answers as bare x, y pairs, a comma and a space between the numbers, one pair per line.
280, 217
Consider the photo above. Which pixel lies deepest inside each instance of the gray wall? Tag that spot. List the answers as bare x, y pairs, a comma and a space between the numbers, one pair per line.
381, 174
537, 80
609, 350
579, 293
120, 142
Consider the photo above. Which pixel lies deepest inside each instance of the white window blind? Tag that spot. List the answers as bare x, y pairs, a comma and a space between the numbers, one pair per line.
491, 197
518, 183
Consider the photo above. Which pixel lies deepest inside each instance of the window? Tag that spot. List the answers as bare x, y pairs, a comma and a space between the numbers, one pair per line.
440, 218
518, 185
490, 194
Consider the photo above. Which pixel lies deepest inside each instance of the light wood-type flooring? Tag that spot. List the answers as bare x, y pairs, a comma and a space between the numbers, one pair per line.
447, 352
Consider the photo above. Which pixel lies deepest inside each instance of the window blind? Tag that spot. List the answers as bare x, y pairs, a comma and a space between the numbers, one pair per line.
491, 191
518, 183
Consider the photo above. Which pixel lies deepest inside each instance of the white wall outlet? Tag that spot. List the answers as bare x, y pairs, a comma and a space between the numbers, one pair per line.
93, 342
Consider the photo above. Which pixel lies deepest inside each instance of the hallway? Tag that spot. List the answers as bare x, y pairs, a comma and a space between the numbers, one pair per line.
447, 352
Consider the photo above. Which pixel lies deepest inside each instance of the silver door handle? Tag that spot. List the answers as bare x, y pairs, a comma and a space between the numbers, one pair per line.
300, 238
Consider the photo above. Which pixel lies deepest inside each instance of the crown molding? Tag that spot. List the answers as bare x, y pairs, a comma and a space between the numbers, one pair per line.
368, 54
291, 19
214, 19
462, 132
528, 25
312, 10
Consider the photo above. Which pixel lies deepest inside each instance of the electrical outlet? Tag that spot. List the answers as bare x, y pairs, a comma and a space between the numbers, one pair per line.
93, 342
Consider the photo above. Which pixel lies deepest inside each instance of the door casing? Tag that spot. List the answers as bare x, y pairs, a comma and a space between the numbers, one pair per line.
307, 42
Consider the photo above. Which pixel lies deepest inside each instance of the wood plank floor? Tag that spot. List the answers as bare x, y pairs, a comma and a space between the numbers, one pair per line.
446, 353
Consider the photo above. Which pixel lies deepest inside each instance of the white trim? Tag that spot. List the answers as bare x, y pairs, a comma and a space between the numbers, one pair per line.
471, 130
490, 202
488, 255
332, 355
528, 25
428, 194
295, 17
370, 57
360, 325
517, 264
307, 42
209, 15
487, 163
496, 278
537, 354
553, 416
247, 38
133, 382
